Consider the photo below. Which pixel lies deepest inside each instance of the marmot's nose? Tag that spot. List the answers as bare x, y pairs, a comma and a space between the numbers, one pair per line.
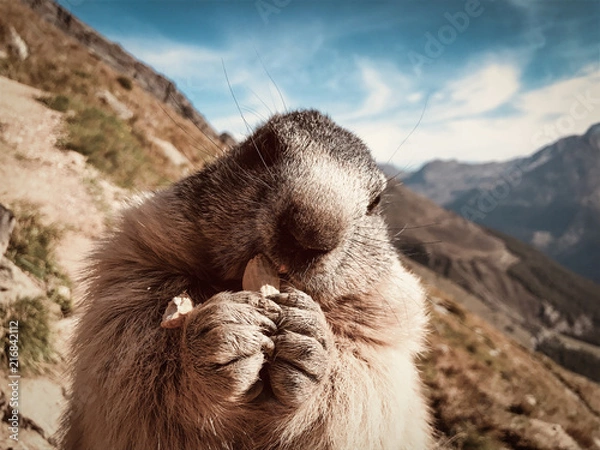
311, 228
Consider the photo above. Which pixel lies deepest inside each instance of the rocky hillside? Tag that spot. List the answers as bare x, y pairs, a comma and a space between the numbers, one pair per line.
486, 390
523, 292
156, 135
124, 63
60, 204
550, 200
489, 393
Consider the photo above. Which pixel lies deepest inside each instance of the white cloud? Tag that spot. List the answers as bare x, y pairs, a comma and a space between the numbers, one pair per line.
177, 59
476, 93
558, 97
415, 97
379, 93
456, 129
384, 89
461, 121
563, 108
235, 74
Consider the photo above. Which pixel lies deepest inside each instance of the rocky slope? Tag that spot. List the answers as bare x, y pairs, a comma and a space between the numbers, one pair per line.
36, 52
75, 200
114, 56
550, 200
489, 393
518, 289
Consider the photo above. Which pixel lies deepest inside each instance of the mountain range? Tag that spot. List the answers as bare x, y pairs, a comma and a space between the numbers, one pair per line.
539, 303
550, 199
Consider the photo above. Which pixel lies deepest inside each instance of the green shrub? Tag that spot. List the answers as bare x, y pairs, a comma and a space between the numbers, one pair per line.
81, 73
34, 343
32, 248
32, 243
110, 146
58, 102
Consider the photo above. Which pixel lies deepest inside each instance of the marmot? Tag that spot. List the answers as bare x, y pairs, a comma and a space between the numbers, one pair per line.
328, 363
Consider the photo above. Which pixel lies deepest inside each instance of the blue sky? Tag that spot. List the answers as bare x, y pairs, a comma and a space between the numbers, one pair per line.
485, 80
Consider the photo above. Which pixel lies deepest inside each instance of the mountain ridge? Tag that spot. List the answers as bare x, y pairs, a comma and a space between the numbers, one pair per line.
550, 199
123, 62
524, 293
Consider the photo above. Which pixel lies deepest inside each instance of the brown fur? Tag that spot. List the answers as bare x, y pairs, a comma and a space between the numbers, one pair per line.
326, 364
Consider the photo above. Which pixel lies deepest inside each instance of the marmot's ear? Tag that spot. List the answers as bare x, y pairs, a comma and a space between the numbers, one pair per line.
263, 148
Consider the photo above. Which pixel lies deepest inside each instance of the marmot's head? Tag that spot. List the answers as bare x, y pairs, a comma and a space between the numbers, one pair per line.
302, 191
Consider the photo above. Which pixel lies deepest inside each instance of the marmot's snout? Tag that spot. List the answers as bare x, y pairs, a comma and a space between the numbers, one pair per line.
309, 231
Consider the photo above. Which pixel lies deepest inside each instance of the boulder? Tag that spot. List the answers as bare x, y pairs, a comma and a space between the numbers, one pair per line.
7, 224
42, 401
17, 46
170, 152
16, 284
551, 435
120, 109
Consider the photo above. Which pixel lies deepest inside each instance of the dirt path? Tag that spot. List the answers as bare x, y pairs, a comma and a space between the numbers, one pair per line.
71, 195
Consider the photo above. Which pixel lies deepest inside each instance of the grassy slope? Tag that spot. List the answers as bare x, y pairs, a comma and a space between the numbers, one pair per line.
565, 290
485, 389
63, 67
32, 248
575, 296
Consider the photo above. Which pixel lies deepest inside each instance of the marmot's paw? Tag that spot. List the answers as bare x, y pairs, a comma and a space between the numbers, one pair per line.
227, 340
303, 348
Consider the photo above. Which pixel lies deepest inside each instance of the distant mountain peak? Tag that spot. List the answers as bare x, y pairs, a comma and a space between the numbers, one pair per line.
593, 135
545, 194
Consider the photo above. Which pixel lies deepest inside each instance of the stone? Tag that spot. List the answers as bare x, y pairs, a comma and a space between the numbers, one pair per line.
119, 108
16, 284
551, 435
7, 224
170, 152
17, 46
